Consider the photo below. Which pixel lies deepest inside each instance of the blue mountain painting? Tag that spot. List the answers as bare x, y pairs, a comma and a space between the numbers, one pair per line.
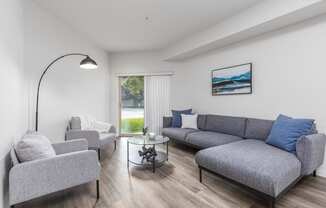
233, 84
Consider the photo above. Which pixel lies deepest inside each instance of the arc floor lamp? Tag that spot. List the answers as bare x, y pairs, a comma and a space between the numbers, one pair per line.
86, 63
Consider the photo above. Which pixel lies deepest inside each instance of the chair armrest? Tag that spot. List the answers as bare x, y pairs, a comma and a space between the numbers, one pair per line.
70, 146
113, 130
40, 177
92, 137
310, 151
167, 121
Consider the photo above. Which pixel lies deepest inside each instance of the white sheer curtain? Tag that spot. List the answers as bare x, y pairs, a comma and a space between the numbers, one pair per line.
157, 101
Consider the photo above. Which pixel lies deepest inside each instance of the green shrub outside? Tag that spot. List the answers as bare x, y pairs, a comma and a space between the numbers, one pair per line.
132, 125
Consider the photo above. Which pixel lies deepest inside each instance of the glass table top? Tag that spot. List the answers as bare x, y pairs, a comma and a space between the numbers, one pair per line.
143, 140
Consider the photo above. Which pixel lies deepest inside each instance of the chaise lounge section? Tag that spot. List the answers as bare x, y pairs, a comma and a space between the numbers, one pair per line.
234, 148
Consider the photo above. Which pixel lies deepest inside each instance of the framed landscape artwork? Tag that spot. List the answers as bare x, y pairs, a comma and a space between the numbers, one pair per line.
232, 80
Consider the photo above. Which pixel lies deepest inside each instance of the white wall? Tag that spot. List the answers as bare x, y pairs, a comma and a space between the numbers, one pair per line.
29, 39
265, 16
288, 75
67, 90
13, 117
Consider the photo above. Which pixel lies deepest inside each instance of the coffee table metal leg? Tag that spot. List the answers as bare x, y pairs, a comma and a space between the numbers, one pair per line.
167, 151
127, 154
154, 160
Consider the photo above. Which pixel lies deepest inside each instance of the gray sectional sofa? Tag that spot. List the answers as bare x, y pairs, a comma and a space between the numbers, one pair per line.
234, 148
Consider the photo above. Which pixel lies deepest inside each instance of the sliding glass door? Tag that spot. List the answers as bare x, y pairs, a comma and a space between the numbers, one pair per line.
131, 105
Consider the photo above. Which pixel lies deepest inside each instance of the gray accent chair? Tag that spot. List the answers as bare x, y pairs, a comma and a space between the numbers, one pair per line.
234, 148
73, 165
96, 140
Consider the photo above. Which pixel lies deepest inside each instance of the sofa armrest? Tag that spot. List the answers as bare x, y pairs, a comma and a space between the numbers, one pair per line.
70, 146
310, 151
33, 179
92, 137
167, 121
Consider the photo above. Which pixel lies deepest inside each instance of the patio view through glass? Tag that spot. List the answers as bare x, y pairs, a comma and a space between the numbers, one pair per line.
131, 104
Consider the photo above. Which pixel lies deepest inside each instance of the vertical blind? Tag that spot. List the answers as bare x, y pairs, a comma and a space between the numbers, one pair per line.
157, 101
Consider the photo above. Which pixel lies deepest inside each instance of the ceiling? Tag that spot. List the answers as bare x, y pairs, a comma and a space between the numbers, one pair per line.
134, 25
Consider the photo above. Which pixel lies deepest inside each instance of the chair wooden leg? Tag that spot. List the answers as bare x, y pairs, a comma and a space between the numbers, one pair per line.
99, 154
314, 174
115, 144
97, 189
200, 175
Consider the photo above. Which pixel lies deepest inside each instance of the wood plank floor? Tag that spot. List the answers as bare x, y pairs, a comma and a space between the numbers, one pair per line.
174, 185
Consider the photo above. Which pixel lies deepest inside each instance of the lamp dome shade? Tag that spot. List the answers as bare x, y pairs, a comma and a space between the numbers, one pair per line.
88, 63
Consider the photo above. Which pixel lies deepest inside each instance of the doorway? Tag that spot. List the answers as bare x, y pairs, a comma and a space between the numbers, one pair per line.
132, 112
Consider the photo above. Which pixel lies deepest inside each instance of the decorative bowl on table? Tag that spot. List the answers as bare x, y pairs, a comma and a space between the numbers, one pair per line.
151, 136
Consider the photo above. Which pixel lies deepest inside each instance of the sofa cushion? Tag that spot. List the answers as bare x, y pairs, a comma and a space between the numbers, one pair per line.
106, 138
258, 128
286, 131
34, 146
167, 121
201, 122
177, 133
252, 163
226, 124
176, 117
205, 139
189, 121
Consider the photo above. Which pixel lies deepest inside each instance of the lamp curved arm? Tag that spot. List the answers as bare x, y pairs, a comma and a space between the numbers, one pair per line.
41, 78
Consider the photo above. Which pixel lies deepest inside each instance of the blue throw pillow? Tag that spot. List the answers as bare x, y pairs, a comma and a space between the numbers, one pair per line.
176, 117
286, 131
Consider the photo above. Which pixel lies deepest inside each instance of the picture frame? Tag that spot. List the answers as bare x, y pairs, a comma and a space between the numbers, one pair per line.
232, 80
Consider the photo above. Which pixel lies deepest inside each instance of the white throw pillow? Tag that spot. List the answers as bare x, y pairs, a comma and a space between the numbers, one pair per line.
101, 127
34, 146
189, 121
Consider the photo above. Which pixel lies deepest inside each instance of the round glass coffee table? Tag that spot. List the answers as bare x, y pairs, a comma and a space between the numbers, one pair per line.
147, 155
